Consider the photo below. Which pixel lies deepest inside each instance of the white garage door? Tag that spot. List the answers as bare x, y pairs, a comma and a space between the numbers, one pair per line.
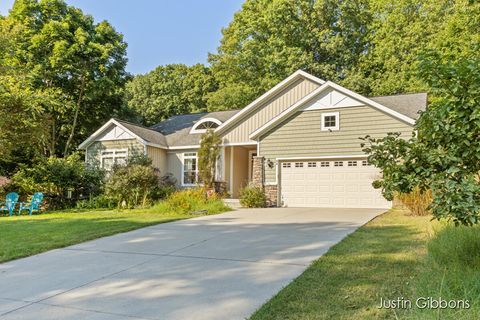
330, 184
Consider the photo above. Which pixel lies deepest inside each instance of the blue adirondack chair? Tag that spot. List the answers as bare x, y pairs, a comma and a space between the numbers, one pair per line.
10, 203
34, 204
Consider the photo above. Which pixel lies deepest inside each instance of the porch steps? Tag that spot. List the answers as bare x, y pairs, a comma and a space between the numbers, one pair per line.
233, 203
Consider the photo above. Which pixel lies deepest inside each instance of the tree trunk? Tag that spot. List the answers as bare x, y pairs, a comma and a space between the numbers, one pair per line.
75, 117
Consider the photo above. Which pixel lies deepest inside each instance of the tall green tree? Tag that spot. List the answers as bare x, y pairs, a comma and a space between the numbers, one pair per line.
208, 156
169, 90
78, 63
268, 40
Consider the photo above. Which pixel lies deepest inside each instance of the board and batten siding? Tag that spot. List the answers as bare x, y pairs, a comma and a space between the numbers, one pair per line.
301, 134
159, 158
94, 150
269, 110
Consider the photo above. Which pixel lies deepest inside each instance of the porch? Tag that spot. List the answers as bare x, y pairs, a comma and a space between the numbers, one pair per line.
237, 167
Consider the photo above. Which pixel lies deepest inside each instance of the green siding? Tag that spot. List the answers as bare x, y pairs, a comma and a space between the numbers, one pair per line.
94, 150
301, 134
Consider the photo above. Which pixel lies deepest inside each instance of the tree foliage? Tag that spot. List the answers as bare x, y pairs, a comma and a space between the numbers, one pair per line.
207, 157
65, 56
170, 90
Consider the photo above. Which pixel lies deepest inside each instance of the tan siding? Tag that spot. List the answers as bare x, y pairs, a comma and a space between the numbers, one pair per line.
301, 135
159, 158
270, 109
174, 164
94, 150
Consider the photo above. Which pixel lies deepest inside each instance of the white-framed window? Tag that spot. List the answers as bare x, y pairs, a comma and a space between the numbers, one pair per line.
111, 157
204, 124
298, 164
352, 163
325, 164
330, 121
312, 165
338, 164
286, 165
190, 169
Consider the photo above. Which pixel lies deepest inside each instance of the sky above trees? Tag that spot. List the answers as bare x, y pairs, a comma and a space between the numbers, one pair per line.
161, 32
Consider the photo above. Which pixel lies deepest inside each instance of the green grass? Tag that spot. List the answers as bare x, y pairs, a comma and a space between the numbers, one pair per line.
27, 235
394, 255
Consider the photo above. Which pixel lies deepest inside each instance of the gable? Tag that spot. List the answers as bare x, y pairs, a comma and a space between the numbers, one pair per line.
331, 98
115, 133
273, 106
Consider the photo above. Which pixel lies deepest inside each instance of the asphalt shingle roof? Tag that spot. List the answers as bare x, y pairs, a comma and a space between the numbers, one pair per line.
175, 131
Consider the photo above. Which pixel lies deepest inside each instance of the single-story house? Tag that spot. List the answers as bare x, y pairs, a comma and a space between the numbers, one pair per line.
299, 141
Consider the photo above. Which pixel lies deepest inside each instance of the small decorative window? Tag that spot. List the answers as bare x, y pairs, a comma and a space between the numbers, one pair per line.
286, 165
190, 169
111, 157
338, 164
364, 163
312, 164
330, 121
298, 164
204, 124
324, 164
352, 163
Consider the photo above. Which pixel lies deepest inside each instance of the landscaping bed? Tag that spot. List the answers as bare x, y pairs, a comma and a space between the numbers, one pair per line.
393, 256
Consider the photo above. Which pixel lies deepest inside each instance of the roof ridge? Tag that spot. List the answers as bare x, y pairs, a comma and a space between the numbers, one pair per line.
398, 94
205, 112
138, 125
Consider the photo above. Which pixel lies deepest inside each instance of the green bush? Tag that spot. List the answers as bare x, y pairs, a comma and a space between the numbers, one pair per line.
190, 200
98, 202
62, 180
252, 197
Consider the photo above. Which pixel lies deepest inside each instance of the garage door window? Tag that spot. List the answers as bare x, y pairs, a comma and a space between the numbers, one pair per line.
365, 163
338, 163
286, 165
312, 164
352, 163
298, 164
324, 164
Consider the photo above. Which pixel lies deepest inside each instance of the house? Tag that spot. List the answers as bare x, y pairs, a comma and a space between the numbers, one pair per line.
299, 141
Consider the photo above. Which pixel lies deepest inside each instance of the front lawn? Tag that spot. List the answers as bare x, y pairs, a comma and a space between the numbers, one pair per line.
393, 256
26, 235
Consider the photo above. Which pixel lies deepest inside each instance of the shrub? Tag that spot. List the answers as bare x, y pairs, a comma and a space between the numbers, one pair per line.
62, 180
252, 197
133, 185
416, 201
98, 202
190, 200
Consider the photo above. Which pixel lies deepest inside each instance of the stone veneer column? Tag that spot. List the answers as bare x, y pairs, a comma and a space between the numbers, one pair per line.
271, 192
258, 171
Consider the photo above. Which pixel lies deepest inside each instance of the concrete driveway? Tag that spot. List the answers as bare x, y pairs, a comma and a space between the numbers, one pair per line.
216, 267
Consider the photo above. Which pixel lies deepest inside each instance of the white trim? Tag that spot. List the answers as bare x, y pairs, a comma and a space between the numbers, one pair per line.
314, 93
231, 170
184, 147
249, 143
195, 130
337, 121
113, 156
183, 184
281, 85
323, 157
223, 164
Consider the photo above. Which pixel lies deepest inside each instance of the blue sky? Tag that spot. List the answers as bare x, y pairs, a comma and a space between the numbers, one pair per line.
161, 31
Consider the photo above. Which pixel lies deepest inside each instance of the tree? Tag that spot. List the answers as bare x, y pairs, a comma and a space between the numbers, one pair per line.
207, 157
170, 90
79, 64
445, 155
268, 40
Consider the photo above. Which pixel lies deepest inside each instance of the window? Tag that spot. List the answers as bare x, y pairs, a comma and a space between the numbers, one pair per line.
338, 163
352, 163
365, 163
286, 165
298, 164
203, 124
324, 164
312, 164
190, 169
330, 121
111, 157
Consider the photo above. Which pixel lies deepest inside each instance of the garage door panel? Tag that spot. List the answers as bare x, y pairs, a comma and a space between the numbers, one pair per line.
332, 186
